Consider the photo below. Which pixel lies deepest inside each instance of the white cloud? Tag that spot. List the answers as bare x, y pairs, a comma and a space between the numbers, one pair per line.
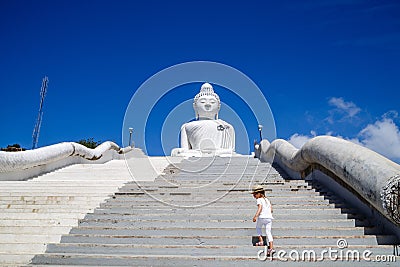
355, 141
383, 137
348, 108
298, 140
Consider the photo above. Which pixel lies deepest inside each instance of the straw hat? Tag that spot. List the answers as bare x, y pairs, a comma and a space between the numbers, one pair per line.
257, 189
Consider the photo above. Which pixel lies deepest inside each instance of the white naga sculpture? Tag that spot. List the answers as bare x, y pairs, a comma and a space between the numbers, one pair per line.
207, 135
49, 158
375, 178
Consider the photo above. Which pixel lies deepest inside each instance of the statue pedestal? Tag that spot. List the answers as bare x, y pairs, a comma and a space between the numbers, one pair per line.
181, 152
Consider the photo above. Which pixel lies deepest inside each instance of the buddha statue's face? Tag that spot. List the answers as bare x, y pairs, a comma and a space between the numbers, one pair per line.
206, 107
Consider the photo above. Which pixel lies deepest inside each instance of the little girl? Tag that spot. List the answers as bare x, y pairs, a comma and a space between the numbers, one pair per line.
263, 217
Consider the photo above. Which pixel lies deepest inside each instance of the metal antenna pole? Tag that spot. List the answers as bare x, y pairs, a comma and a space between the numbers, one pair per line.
36, 130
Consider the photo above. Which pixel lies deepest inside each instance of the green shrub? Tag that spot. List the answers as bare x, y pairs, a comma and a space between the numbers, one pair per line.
89, 143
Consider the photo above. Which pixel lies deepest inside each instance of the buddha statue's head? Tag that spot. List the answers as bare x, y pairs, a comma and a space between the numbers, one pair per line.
206, 103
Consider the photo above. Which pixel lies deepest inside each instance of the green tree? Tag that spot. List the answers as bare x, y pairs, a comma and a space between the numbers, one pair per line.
13, 148
89, 143
14, 145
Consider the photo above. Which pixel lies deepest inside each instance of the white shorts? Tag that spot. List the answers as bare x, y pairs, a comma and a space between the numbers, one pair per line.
268, 225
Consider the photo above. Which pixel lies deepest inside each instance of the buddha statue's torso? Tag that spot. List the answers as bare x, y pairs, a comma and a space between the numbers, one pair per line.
207, 135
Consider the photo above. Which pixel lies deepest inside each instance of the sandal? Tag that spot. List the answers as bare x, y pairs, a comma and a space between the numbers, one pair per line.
270, 252
260, 244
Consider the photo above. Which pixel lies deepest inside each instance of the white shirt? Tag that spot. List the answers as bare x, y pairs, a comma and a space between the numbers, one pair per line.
266, 208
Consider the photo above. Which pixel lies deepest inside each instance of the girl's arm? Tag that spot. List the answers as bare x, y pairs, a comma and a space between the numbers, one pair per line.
257, 213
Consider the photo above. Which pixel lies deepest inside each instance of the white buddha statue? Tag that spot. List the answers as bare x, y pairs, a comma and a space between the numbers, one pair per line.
207, 135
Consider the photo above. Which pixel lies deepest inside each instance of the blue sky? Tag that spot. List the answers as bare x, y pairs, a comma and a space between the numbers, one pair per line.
325, 67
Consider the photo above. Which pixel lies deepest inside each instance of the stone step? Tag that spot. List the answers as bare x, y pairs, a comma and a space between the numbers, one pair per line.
231, 169
30, 238
61, 184
206, 193
211, 186
209, 179
221, 175
182, 260
44, 222
218, 183
65, 194
83, 172
191, 200
85, 175
202, 217
27, 248
15, 259
228, 197
37, 228
294, 224
239, 166
207, 187
75, 180
249, 174
225, 240
40, 209
163, 202
27, 204
217, 206
50, 197
215, 168
55, 183
215, 231
203, 250
120, 199
170, 222
61, 188
209, 192
191, 169
24, 216
77, 191
215, 199
206, 211
176, 180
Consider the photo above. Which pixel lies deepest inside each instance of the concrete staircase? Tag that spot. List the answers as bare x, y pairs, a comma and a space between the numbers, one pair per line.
36, 212
200, 214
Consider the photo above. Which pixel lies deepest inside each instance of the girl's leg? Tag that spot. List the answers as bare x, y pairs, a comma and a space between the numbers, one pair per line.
268, 227
259, 232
